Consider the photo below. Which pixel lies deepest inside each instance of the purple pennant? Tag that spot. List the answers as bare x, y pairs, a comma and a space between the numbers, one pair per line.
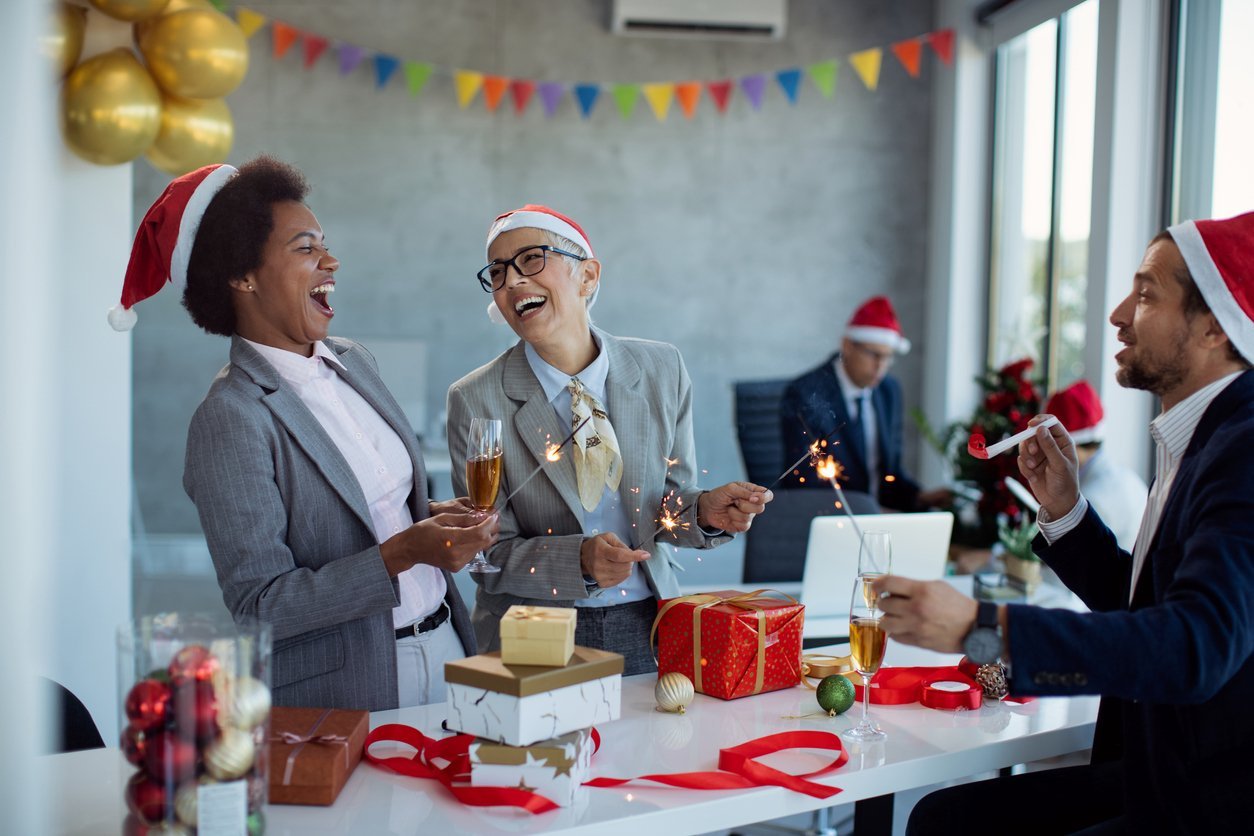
754, 86
551, 93
350, 57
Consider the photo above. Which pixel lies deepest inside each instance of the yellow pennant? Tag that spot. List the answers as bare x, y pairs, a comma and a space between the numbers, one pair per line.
867, 65
467, 83
249, 21
659, 98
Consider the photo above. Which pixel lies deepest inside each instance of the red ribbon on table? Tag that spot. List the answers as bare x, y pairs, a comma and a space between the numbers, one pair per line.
902, 686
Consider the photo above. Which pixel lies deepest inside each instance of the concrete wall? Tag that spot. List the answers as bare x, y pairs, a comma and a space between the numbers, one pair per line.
745, 239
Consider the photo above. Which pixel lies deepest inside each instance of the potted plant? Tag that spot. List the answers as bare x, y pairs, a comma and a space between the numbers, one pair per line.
1023, 567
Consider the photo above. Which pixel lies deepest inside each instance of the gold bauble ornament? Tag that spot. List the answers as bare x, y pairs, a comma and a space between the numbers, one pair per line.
194, 132
170, 8
130, 10
231, 755
62, 44
247, 704
673, 692
110, 108
187, 803
195, 53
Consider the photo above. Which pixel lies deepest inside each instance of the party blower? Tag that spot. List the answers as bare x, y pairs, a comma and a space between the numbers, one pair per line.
977, 449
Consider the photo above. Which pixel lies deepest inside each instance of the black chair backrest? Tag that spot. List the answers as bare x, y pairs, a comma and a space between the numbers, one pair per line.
775, 546
757, 428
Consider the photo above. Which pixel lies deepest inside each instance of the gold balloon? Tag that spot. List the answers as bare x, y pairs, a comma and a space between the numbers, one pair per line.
64, 42
170, 8
194, 132
195, 53
130, 10
110, 108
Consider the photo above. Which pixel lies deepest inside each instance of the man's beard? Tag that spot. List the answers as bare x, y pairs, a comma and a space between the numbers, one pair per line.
1155, 377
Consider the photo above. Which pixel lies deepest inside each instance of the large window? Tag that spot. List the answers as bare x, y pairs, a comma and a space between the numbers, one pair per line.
1042, 185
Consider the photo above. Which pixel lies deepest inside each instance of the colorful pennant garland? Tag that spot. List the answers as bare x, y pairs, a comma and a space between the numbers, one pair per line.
866, 64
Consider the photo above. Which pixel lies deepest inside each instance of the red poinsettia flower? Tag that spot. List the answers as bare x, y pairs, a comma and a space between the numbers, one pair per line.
1018, 368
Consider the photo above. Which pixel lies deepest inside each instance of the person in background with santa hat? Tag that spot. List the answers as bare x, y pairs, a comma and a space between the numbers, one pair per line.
307, 477
1169, 644
585, 531
855, 405
1115, 492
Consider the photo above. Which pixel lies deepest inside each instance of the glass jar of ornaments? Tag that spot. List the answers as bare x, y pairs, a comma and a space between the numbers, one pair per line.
195, 697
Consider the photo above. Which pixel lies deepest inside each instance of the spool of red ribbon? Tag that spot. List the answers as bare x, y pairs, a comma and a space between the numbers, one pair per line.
903, 686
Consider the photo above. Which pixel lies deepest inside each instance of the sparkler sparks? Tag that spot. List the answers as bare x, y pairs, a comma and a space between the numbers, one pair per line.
812, 453
552, 453
831, 470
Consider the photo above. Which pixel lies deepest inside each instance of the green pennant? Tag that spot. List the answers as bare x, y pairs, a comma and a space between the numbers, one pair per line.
823, 74
416, 75
220, 5
625, 96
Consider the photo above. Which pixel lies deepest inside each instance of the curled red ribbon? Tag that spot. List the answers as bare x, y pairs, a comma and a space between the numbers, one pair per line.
902, 686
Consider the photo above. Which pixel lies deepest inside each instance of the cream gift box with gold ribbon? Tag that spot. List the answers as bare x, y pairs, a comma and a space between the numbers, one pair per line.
537, 635
553, 768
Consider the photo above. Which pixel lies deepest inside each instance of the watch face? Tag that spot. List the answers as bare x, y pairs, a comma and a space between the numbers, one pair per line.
982, 645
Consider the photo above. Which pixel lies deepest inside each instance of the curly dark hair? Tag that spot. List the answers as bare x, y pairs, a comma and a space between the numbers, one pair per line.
232, 237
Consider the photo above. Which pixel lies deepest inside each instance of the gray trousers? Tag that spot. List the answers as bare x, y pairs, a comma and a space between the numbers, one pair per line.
622, 629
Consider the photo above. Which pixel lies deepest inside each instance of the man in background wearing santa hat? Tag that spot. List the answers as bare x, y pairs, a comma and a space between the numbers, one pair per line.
1169, 644
1115, 492
855, 405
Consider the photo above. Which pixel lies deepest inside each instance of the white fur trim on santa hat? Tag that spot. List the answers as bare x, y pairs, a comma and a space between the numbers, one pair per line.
878, 336
189, 223
1088, 435
1235, 322
537, 220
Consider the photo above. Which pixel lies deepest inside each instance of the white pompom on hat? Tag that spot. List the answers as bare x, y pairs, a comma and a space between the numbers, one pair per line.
535, 216
875, 322
1220, 258
163, 244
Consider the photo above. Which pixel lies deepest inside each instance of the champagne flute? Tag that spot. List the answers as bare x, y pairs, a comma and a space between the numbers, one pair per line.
483, 475
867, 642
875, 557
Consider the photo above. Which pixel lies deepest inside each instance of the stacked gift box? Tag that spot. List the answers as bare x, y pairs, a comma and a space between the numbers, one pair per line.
533, 704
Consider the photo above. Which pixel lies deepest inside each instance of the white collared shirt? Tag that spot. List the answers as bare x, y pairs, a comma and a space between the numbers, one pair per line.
375, 453
610, 514
870, 427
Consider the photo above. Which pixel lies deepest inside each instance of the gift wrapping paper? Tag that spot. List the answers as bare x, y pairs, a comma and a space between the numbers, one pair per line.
553, 768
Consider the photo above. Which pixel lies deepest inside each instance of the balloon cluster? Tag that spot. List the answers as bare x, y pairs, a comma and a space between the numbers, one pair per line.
190, 725
169, 108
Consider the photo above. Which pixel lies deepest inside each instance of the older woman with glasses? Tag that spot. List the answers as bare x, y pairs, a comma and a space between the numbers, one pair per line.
585, 532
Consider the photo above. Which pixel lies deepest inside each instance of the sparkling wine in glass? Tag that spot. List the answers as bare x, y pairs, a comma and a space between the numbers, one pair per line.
483, 475
875, 557
867, 642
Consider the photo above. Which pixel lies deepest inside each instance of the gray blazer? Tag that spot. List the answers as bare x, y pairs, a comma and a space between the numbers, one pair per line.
290, 533
649, 399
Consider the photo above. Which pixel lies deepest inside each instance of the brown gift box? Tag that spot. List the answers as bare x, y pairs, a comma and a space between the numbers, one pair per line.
488, 672
313, 751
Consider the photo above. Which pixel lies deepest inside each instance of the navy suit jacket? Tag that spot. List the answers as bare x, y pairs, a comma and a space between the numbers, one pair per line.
813, 406
1176, 665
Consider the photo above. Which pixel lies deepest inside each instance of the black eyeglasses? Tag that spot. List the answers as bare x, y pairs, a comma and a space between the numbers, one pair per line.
528, 262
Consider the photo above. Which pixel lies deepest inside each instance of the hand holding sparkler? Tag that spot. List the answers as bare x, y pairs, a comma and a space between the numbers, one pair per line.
732, 507
552, 453
608, 559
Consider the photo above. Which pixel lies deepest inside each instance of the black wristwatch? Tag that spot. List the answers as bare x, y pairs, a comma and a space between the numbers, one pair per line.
982, 643
590, 584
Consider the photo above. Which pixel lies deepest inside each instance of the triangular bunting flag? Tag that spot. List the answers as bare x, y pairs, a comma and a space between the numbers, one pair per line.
220, 5
789, 80
314, 47
551, 93
943, 43
688, 93
249, 21
754, 86
909, 53
467, 83
284, 37
350, 57
586, 94
823, 74
384, 67
520, 91
625, 96
867, 65
494, 87
416, 75
720, 92
659, 97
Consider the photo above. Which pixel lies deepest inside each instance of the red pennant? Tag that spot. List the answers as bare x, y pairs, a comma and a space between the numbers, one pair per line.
943, 43
688, 93
314, 47
909, 53
520, 90
720, 92
494, 87
284, 37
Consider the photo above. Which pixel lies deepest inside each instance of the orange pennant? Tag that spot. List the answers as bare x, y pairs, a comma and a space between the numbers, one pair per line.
314, 47
284, 37
521, 90
720, 92
494, 87
688, 93
909, 53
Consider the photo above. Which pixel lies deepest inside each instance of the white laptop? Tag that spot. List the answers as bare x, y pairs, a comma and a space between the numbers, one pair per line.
920, 551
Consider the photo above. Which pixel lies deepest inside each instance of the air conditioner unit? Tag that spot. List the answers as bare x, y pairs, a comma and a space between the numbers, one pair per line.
726, 19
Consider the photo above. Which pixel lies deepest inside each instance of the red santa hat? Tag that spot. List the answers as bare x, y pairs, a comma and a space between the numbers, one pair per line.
875, 322
163, 244
1080, 411
1220, 258
535, 216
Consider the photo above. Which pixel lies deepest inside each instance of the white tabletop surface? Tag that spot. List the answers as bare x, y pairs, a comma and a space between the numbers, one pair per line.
924, 746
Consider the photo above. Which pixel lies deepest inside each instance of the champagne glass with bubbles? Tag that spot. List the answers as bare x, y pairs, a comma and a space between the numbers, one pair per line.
483, 475
867, 643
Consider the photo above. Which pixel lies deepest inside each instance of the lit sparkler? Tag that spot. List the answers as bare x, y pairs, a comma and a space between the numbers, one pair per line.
812, 453
552, 453
831, 470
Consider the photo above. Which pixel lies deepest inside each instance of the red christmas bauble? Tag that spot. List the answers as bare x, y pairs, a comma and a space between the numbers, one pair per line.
194, 710
193, 662
134, 743
146, 798
169, 759
147, 704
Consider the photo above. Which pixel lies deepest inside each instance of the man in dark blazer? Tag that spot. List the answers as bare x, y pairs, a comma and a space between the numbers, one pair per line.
853, 403
1169, 643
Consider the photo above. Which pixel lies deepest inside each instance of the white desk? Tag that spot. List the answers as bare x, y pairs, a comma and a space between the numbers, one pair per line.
924, 747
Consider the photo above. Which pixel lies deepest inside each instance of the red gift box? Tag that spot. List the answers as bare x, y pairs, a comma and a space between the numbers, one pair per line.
731, 644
